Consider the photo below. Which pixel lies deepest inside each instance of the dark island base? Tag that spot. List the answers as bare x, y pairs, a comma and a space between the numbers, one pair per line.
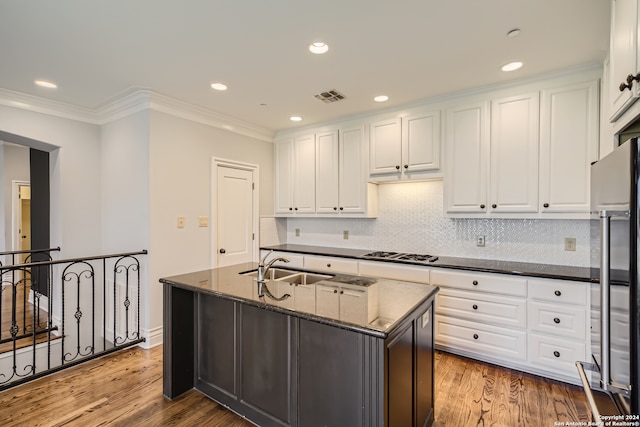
277, 369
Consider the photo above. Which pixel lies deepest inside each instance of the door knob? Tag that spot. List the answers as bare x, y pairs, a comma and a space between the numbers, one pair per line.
223, 251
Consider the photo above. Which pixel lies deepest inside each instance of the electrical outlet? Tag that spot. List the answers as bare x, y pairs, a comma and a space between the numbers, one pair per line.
569, 244
345, 234
180, 222
297, 232
480, 241
203, 221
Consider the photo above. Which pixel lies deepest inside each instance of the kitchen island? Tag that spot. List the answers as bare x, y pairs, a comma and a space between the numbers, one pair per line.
338, 350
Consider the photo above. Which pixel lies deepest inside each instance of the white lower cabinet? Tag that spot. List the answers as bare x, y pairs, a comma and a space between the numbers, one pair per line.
349, 303
535, 325
481, 315
559, 318
331, 264
487, 341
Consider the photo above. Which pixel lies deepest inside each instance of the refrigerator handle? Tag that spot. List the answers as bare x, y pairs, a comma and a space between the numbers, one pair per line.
605, 306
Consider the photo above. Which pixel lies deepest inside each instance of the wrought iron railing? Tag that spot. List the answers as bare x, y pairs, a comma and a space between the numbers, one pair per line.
58, 313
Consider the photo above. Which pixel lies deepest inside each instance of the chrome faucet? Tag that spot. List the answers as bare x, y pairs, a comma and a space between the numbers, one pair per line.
262, 272
264, 269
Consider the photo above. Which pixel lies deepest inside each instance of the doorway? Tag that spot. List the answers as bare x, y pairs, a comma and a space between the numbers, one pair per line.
21, 218
234, 212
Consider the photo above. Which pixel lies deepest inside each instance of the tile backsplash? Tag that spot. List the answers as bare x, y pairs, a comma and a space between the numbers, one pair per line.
410, 219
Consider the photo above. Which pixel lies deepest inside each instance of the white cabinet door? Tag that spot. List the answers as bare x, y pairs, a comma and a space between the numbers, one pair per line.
327, 178
352, 187
385, 145
353, 305
623, 56
421, 142
284, 176
466, 170
304, 185
327, 301
514, 154
568, 145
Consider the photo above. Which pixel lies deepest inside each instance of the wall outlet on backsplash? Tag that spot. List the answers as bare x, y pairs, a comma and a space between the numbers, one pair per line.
345, 234
569, 244
480, 241
297, 232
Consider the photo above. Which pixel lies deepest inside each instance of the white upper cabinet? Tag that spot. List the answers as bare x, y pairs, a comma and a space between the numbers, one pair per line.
421, 142
529, 158
385, 146
341, 186
568, 146
466, 156
405, 147
284, 176
324, 174
355, 195
513, 161
304, 186
295, 175
327, 169
623, 56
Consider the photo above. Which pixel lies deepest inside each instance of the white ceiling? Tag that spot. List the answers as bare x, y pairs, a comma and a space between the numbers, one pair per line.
97, 51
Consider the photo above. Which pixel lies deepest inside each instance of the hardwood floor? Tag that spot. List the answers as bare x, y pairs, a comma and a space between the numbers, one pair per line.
470, 393
125, 389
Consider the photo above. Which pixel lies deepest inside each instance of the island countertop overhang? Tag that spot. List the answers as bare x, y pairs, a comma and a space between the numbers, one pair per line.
373, 306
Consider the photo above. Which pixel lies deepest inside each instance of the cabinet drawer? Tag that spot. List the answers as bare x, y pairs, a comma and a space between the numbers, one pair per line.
559, 291
557, 354
409, 273
567, 321
496, 283
480, 307
484, 340
336, 265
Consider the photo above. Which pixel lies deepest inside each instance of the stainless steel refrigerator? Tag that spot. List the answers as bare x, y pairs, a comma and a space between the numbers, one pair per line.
615, 321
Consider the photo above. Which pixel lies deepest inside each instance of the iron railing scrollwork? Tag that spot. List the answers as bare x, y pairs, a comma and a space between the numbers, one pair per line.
57, 309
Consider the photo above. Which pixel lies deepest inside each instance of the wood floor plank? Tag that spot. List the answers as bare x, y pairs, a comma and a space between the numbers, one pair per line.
125, 389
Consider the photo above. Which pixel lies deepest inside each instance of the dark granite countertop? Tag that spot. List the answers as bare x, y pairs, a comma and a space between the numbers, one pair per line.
549, 271
368, 305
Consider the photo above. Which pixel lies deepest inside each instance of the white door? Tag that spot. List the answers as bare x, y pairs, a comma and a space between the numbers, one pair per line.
234, 213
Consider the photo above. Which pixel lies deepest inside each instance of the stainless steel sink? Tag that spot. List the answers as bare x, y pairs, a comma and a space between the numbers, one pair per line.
273, 273
290, 276
305, 278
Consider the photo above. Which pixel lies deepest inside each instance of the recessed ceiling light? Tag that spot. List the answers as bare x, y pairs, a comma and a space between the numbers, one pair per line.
381, 98
219, 86
514, 33
512, 66
44, 83
295, 118
318, 48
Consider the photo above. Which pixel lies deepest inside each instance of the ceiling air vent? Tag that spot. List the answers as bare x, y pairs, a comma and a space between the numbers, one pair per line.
330, 96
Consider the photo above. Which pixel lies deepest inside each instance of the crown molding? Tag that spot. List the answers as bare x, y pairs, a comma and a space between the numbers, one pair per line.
131, 102
50, 107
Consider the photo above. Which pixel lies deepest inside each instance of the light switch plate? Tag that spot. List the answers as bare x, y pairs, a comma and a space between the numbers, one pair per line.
203, 221
180, 222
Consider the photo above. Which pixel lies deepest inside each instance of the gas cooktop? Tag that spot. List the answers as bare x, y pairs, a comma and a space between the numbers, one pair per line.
401, 256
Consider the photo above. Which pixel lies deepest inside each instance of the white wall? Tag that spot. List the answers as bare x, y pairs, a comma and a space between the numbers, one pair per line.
410, 219
179, 185
75, 176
